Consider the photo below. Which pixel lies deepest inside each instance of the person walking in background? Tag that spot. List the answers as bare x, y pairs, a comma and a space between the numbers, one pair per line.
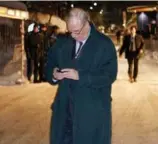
118, 36
84, 65
133, 47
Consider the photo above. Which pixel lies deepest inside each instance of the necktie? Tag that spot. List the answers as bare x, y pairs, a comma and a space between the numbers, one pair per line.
79, 50
132, 45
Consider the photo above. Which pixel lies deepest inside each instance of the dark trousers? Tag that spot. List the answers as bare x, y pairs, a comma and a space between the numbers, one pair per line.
133, 67
32, 67
29, 69
118, 39
41, 69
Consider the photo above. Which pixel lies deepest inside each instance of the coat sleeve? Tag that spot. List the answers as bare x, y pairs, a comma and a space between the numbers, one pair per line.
122, 49
52, 62
105, 71
142, 43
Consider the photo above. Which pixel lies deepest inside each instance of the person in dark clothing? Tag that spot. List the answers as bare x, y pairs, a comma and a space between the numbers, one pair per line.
118, 36
53, 35
28, 58
133, 47
44, 47
28, 55
84, 65
35, 52
48, 39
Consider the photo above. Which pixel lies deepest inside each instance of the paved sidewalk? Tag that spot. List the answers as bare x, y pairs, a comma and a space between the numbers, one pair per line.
25, 110
135, 108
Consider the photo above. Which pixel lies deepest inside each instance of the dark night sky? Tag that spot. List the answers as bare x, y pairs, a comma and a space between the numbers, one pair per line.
125, 4
48, 5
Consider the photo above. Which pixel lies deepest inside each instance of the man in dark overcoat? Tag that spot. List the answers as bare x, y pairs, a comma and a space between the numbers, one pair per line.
84, 65
133, 44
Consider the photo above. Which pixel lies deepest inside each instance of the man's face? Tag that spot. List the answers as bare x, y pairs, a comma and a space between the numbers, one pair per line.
44, 28
77, 29
36, 29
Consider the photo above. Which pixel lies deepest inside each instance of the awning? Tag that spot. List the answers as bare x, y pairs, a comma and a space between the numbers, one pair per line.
13, 9
14, 5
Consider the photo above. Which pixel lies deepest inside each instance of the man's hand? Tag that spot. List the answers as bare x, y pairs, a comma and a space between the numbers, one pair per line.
57, 75
70, 74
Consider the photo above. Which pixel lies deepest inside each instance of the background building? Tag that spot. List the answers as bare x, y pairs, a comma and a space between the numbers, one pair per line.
147, 18
12, 16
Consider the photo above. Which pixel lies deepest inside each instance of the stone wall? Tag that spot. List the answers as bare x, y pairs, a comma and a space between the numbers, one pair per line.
10, 51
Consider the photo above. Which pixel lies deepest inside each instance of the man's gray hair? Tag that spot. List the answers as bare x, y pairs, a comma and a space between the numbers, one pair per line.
78, 13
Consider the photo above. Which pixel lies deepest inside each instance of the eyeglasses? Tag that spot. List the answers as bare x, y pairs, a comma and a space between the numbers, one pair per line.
77, 32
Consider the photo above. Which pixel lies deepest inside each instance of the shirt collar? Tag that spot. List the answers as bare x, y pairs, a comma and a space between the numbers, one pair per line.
84, 41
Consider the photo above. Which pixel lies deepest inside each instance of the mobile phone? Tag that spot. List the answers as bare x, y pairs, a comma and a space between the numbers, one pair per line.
59, 70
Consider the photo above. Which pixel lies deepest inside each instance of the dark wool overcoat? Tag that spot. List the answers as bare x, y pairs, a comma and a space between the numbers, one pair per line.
89, 98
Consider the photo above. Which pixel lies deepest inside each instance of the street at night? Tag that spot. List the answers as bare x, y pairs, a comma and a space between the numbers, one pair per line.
73, 43
25, 110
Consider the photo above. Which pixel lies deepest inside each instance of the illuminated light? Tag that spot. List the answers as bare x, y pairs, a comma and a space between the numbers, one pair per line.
142, 15
17, 13
91, 8
72, 5
24, 15
153, 22
95, 4
101, 11
11, 12
14, 13
143, 18
124, 25
3, 10
154, 8
112, 26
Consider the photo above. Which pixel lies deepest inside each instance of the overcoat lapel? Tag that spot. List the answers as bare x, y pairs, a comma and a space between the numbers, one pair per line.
85, 57
73, 49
